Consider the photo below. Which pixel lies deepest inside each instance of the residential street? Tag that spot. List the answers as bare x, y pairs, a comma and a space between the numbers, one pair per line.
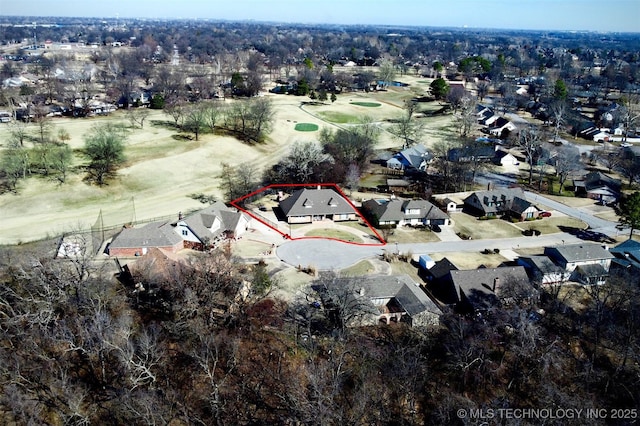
330, 255
595, 224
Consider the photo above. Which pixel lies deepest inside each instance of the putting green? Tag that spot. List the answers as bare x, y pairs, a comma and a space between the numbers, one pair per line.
366, 104
306, 127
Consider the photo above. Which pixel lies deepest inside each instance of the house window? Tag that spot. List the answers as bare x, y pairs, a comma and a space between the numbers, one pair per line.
185, 232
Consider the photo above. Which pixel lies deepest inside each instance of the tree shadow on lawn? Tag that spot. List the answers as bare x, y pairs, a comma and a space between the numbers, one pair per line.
171, 125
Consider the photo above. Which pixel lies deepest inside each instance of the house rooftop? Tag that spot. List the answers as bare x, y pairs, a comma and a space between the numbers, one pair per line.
201, 221
322, 201
580, 252
154, 234
406, 292
479, 283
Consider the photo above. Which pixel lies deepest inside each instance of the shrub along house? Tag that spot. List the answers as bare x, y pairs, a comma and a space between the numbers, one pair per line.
311, 205
399, 212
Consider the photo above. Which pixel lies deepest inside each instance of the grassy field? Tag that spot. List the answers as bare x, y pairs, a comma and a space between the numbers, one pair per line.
339, 117
163, 167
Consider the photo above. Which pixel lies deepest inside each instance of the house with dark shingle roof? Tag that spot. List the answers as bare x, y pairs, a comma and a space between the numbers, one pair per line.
400, 212
598, 186
477, 152
196, 231
587, 263
480, 289
391, 298
627, 256
543, 270
137, 241
509, 201
310, 205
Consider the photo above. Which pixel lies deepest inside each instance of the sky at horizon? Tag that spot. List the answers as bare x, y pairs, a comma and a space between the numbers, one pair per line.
568, 15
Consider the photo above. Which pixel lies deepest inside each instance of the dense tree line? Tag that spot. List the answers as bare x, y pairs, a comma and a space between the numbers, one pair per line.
176, 343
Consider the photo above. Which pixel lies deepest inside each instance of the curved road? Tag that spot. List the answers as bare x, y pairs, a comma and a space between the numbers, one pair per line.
334, 255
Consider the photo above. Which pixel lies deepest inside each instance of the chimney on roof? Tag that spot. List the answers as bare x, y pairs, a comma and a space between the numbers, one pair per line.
496, 284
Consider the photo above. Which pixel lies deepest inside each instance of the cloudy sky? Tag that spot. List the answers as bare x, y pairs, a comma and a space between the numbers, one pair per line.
596, 15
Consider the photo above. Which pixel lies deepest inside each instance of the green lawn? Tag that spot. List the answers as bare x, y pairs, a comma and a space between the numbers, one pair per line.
373, 179
362, 227
306, 127
338, 117
334, 233
366, 104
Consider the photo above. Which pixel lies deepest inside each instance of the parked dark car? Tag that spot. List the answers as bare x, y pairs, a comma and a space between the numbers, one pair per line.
435, 228
545, 214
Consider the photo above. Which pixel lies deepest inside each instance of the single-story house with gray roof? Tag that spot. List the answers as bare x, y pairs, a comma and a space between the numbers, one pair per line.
137, 241
509, 201
215, 222
196, 231
311, 205
392, 298
479, 289
399, 212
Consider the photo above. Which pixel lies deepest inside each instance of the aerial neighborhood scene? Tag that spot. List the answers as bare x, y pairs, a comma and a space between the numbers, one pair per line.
320, 213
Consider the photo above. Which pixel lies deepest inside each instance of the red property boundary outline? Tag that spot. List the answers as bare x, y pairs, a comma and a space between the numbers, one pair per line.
236, 203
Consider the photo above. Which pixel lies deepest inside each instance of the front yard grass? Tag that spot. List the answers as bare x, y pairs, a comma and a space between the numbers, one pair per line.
334, 233
471, 260
483, 229
411, 235
362, 227
551, 225
399, 267
364, 267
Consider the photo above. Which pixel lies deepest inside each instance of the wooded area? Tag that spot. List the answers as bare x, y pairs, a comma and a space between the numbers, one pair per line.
202, 342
